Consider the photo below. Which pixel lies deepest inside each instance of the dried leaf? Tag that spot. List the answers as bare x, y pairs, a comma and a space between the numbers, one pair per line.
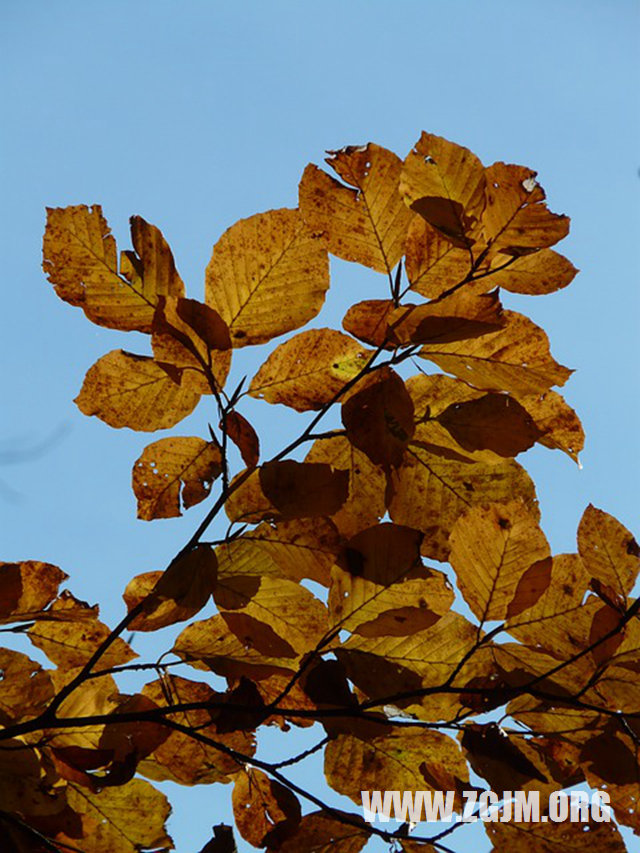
379, 419
433, 263
193, 338
80, 259
514, 359
320, 833
609, 552
365, 221
244, 436
27, 588
445, 183
540, 272
266, 812
126, 390
493, 422
516, 220
174, 473
268, 275
309, 370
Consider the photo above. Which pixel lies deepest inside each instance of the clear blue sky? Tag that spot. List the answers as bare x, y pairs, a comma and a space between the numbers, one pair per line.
194, 114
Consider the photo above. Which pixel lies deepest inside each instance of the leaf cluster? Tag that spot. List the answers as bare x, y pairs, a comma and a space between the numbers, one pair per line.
413, 506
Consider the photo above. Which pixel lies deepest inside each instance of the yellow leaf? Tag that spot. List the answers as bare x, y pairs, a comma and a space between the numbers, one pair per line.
309, 370
195, 339
80, 259
208, 644
609, 552
171, 469
277, 617
121, 819
411, 759
27, 588
366, 220
444, 183
492, 546
516, 220
515, 359
183, 759
433, 264
431, 492
25, 688
557, 422
75, 635
266, 812
268, 275
551, 837
543, 271
129, 390
364, 505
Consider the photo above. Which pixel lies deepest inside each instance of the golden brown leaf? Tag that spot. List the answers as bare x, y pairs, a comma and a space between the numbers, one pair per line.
459, 316
122, 819
433, 264
516, 220
299, 548
557, 422
445, 183
208, 644
379, 419
411, 759
266, 812
492, 546
183, 759
493, 422
129, 390
543, 271
173, 473
268, 275
610, 761
431, 492
80, 259
365, 503
515, 359
174, 595
25, 688
244, 436
369, 321
193, 338
609, 552
309, 370
365, 221
74, 636
277, 617
27, 588
320, 833
288, 490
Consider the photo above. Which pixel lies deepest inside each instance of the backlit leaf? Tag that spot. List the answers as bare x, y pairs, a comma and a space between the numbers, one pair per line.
27, 588
174, 473
365, 220
491, 549
80, 258
515, 359
379, 419
493, 422
265, 811
126, 390
609, 552
309, 370
431, 492
365, 503
557, 422
244, 436
444, 183
268, 275
433, 263
195, 339
543, 271
320, 833
516, 220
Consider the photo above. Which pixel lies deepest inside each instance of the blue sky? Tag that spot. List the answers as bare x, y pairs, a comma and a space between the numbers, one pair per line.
195, 114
